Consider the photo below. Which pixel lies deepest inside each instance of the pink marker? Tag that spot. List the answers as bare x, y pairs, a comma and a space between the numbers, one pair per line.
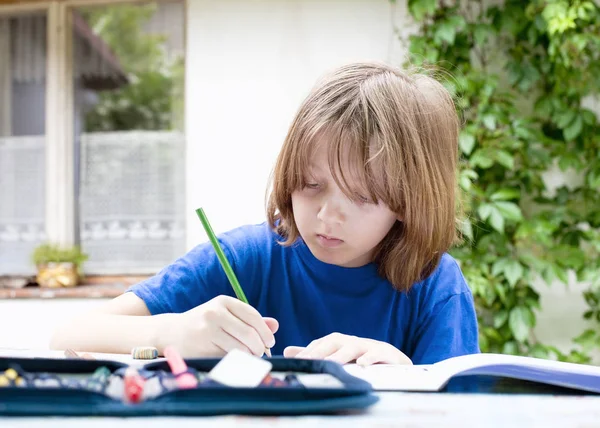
179, 369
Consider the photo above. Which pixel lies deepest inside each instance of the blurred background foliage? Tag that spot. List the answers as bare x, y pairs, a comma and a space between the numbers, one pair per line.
153, 99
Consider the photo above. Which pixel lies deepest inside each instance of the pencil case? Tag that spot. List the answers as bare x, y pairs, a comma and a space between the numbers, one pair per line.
70, 387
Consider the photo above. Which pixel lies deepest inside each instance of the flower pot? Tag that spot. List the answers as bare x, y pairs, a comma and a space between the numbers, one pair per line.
56, 275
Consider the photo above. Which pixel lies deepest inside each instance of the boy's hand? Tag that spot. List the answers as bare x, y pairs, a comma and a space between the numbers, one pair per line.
218, 326
344, 349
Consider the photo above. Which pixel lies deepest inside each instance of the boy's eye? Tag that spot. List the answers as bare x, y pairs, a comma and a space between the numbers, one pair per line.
363, 199
311, 185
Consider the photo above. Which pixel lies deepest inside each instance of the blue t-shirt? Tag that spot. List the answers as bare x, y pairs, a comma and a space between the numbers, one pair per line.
433, 321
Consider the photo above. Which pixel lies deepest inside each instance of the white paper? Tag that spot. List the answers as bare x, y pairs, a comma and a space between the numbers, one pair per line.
389, 377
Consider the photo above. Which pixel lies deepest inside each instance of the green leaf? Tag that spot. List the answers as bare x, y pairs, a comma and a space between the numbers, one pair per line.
560, 273
530, 76
569, 160
498, 266
523, 132
585, 337
543, 106
492, 333
533, 303
505, 159
589, 118
501, 292
464, 183
489, 120
496, 220
484, 211
481, 160
421, 8
506, 194
548, 275
466, 178
500, 318
510, 348
445, 32
513, 271
539, 351
593, 180
458, 21
520, 322
466, 142
565, 118
509, 210
572, 257
481, 33
574, 129
467, 229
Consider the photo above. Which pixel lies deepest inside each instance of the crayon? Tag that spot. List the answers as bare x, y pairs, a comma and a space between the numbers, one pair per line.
134, 385
98, 381
185, 380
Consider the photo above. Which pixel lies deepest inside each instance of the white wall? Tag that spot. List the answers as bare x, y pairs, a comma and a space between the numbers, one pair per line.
562, 316
250, 64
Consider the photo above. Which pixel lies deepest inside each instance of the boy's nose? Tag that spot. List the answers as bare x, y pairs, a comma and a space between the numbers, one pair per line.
330, 213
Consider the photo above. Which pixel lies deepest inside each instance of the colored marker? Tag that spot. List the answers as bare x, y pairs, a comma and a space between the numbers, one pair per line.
185, 380
134, 385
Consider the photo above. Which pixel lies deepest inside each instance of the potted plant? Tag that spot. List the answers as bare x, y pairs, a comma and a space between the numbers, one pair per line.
58, 266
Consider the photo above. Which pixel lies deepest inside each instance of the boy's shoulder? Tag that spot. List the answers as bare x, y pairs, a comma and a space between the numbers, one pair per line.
445, 281
257, 237
250, 232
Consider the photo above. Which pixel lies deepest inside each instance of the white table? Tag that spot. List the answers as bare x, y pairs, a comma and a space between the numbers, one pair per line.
394, 409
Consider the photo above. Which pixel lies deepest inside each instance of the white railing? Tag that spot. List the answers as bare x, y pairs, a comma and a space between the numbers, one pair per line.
132, 190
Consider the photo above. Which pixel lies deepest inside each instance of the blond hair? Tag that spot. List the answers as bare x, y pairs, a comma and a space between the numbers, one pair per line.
400, 129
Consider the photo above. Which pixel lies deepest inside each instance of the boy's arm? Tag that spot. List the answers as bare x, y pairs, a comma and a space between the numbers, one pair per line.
208, 330
115, 327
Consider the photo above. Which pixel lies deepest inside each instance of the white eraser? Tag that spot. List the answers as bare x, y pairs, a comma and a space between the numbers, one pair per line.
239, 369
319, 380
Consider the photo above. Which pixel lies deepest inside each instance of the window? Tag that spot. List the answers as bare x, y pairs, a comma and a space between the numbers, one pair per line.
108, 173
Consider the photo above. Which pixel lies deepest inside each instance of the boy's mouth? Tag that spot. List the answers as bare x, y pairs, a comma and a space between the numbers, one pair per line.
329, 241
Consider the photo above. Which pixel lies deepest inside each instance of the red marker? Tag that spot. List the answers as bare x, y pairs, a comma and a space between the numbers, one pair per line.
179, 369
134, 385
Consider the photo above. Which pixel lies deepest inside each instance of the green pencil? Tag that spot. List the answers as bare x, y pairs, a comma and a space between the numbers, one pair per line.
235, 284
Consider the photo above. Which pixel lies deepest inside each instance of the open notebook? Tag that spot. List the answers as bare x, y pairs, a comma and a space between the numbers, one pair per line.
387, 377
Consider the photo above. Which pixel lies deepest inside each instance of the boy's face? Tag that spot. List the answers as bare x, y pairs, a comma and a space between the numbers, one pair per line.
337, 229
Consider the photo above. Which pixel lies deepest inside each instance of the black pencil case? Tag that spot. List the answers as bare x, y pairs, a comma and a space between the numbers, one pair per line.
69, 387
